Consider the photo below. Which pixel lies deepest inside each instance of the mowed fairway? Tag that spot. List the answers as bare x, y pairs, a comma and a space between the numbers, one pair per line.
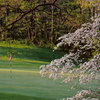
22, 81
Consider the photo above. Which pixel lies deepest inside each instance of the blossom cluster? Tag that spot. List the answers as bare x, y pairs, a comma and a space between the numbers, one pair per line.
70, 66
85, 38
88, 35
81, 95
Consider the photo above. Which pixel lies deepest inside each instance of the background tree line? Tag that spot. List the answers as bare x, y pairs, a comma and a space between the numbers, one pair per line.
41, 22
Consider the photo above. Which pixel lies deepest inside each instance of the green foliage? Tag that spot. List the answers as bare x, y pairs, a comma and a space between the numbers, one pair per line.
88, 3
37, 27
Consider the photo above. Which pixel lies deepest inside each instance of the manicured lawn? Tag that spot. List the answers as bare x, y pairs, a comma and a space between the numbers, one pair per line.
7, 96
25, 82
30, 83
29, 53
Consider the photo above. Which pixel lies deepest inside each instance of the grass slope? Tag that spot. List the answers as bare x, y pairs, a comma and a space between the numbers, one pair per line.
25, 82
28, 52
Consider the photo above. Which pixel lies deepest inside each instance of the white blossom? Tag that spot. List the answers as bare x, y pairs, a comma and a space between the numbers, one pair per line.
84, 39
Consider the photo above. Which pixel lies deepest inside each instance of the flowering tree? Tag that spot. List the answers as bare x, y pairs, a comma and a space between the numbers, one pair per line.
84, 43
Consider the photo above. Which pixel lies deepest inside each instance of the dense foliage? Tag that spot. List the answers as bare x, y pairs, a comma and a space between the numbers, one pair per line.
41, 22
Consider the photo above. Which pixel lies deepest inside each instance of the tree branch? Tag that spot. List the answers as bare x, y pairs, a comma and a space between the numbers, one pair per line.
26, 13
54, 1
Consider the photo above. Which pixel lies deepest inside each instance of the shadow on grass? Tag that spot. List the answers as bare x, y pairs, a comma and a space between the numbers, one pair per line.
6, 96
40, 54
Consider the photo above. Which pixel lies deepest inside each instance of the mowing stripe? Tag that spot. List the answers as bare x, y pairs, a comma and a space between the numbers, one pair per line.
37, 72
20, 87
17, 70
23, 60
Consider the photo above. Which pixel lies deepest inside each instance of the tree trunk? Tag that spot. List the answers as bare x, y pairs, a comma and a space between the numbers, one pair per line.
52, 10
90, 14
94, 11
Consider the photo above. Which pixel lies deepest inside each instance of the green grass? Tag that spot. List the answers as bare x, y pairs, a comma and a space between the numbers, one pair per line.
29, 52
25, 82
30, 83
7, 96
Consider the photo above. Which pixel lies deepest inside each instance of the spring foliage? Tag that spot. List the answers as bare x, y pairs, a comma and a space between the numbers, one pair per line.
82, 41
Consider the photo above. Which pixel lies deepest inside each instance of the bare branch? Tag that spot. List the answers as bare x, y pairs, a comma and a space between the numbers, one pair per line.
54, 1
26, 13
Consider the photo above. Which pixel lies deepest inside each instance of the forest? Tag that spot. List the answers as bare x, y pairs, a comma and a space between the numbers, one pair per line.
41, 22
